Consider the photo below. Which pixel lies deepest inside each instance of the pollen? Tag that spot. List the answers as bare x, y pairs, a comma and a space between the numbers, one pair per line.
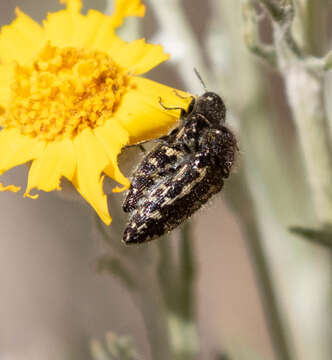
64, 91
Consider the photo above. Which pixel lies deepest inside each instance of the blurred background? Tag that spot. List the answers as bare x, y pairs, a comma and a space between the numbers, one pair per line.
53, 301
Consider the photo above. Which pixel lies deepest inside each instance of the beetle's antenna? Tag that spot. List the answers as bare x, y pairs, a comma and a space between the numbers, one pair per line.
200, 79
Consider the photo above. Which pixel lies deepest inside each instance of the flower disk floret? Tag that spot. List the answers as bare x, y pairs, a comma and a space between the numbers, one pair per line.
71, 98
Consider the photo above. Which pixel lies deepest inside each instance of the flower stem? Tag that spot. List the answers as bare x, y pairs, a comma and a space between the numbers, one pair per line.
240, 199
187, 270
135, 268
306, 96
305, 90
269, 300
177, 283
303, 74
151, 306
183, 328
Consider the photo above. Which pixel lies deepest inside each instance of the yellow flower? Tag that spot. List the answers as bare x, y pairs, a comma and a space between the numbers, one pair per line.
71, 99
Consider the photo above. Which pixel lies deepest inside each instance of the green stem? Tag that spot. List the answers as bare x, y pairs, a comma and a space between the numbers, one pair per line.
187, 271
268, 295
177, 285
152, 309
241, 201
137, 272
306, 97
305, 93
274, 9
183, 332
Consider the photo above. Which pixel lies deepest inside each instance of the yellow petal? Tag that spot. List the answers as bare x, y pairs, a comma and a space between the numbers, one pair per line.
103, 36
12, 188
62, 28
73, 6
113, 137
58, 28
35, 196
57, 160
138, 56
141, 113
124, 8
21, 40
91, 161
17, 149
85, 28
170, 97
6, 78
70, 28
77, 26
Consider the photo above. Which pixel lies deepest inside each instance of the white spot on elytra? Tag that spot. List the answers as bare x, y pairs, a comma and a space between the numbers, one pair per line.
170, 152
153, 161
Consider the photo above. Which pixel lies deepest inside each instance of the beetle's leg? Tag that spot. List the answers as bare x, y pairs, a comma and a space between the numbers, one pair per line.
170, 107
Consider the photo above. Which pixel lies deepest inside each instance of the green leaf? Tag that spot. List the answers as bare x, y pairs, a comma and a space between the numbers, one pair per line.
321, 236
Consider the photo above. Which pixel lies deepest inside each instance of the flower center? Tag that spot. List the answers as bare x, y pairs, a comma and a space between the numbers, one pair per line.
64, 91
